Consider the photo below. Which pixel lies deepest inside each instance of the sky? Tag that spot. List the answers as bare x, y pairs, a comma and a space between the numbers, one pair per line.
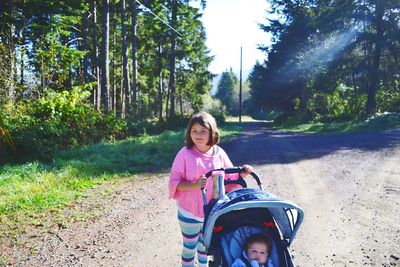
231, 24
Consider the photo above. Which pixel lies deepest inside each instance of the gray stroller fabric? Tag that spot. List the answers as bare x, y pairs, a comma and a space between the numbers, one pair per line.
287, 215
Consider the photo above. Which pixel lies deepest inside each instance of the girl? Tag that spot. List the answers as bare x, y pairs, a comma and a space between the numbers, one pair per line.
200, 155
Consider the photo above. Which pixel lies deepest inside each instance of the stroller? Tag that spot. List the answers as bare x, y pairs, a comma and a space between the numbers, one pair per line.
232, 218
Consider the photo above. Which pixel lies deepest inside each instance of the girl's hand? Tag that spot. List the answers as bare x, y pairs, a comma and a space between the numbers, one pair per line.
247, 169
201, 181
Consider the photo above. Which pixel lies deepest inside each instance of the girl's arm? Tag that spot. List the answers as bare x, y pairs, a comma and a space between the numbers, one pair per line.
177, 181
177, 174
201, 182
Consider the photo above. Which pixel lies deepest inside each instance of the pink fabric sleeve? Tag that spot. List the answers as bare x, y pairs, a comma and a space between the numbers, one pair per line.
177, 174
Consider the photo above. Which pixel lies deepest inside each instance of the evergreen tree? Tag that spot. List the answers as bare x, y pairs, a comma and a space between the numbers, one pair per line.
226, 89
329, 59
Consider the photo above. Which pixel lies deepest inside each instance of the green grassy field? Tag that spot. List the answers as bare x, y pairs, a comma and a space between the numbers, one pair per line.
375, 123
236, 119
29, 191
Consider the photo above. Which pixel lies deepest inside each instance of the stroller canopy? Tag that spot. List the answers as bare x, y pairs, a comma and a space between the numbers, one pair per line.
287, 215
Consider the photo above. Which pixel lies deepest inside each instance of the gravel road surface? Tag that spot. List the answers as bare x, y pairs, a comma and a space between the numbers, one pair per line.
347, 184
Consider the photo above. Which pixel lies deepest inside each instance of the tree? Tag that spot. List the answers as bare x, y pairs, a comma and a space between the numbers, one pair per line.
377, 41
131, 96
192, 78
171, 83
125, 69
11, 46
322, 47
96, 63
176, 16
256, 83
281, 82
105, 71
226, 89
68, 44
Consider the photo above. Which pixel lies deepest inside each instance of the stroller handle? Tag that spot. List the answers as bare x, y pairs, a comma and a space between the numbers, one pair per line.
240, 181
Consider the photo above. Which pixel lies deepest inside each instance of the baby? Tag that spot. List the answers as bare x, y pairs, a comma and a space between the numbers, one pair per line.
255, 254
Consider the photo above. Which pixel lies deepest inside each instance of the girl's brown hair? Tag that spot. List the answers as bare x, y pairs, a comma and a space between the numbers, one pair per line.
206, 120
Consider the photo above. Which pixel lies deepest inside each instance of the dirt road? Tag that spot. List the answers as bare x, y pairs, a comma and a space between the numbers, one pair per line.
348, 186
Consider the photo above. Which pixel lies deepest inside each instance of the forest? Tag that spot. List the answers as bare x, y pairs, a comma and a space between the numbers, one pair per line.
331, 60
74, 73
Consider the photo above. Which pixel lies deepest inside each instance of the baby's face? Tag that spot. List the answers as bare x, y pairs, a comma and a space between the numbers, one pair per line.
258, 251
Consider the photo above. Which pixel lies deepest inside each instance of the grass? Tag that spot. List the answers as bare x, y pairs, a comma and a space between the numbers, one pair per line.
376, 122
236, 119
35, 187
3, 261
30, 191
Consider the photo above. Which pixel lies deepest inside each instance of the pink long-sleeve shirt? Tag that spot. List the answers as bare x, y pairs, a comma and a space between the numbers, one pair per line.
189, 164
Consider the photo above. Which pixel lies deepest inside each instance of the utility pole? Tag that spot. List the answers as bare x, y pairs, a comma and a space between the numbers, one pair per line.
240, 88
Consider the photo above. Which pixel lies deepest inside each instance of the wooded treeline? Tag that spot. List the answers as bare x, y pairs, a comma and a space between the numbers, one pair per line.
330, 60
133, 62
78, 72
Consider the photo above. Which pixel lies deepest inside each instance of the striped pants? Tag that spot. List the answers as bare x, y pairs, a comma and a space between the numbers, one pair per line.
192, 233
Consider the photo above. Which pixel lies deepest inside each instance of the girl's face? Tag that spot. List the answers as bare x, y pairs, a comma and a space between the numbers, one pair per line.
200, 136
258, 251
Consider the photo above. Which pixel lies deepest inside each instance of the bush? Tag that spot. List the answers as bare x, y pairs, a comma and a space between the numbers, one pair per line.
58, 121
388, 101
215, 108
342, 104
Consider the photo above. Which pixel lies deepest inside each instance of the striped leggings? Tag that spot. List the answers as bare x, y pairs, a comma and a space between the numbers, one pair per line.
192, 233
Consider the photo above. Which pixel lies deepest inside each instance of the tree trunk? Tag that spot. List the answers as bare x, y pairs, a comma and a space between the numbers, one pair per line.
105, 71
22, 55
171, 84
160, 83
122, 99
96, 68
181, 103
11, 51
85, 32
69, 80
125, 68
374, 80
113, 60
132, 96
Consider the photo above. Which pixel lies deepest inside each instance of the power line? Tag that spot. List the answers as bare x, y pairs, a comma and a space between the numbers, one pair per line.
145, 7
163, 21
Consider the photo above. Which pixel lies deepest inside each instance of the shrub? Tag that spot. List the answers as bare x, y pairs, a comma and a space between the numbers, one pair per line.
215, 108
342, 104
388, 101
58, 121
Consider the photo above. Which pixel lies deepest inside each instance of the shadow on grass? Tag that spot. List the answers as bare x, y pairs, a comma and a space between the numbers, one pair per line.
133, 155
260, 144
146, 154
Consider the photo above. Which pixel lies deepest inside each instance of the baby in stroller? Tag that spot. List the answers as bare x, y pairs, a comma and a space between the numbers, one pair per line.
236, 216
256, 252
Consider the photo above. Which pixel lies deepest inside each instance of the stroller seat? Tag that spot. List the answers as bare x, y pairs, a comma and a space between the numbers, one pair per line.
232, 243
234, 217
